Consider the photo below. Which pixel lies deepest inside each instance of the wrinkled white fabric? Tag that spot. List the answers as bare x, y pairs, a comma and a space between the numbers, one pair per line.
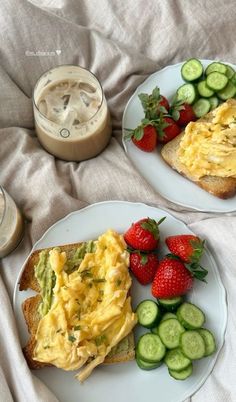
122, 42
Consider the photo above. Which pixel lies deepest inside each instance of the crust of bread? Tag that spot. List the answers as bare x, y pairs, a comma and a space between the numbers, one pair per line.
30, 311
221, 187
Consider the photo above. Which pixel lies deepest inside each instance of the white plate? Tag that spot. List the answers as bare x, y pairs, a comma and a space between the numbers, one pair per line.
126, 382
153, 168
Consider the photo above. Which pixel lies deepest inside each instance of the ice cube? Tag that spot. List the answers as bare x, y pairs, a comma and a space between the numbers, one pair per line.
87, 87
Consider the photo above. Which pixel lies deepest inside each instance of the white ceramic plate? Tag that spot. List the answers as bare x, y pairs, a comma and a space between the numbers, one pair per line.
126, 382
153, 168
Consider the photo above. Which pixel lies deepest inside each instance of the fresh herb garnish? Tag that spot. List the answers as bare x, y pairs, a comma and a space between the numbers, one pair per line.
100, 339
99, 280
71, 338
118, 282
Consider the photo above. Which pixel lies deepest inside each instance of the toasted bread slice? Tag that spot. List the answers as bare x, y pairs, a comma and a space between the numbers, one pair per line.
122, 352
222, 187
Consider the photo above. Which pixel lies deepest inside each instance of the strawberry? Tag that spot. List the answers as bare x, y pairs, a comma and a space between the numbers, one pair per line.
172, 279
143, 235
188, 248
143, 266
167, 129
145, 137
154, 104
182, 113
163, 103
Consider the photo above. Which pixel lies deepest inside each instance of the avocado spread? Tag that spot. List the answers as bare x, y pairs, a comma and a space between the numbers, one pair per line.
46, 276
122, 346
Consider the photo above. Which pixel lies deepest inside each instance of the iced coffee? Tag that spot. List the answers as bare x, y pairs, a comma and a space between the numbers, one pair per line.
71, 116
11, 224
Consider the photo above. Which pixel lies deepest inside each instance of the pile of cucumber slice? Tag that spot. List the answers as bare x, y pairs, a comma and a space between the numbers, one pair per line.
206, 89
176, 336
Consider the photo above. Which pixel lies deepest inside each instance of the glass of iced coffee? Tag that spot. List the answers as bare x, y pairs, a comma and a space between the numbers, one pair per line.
72, 120
11, 224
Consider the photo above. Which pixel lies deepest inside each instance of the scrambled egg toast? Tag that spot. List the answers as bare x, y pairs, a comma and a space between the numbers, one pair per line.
85, 308
205, 152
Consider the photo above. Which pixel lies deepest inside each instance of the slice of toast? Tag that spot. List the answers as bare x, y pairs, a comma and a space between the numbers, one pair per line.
124, 351
222, 187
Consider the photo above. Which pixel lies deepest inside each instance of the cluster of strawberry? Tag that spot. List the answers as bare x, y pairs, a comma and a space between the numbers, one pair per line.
174, 274
162, 121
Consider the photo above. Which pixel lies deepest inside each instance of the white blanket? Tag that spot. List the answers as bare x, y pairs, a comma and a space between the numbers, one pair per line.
122, 42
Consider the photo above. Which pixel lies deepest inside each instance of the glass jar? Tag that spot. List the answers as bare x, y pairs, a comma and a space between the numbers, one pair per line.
11, 224
72, 119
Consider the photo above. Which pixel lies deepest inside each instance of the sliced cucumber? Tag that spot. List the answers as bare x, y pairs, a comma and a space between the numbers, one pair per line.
170, 331
201, 107
228, 92
146, 365
210, 343
148, 313
233, 79
187, 93
214, 101
229, 71
204, 90
192, 344
192, 70
183, 374
216, 66
190, 316
150, 348
176, 360
170, 304
166, 316
216, 81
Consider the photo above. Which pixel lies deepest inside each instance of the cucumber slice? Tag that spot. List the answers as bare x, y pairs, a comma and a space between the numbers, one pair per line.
190, 316
210, 343
170, 304
192, 70
228, 92
176, 360
233, 79
192, 345
214, 101
229, 71
183, 374
216, 66
204, 90
170, 331
148, 313
150, 348
166, 316
201, 107
146, 365
216, 81
187, 93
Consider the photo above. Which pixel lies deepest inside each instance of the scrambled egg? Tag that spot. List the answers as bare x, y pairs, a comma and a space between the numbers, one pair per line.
91, 310
209, 148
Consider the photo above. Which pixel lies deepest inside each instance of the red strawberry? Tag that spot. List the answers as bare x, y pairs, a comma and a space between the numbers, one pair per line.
167, 129
182, 113
145, 137
164, 103
186, 114
154, 104
143, 266
143, 235
172, 279
188, 248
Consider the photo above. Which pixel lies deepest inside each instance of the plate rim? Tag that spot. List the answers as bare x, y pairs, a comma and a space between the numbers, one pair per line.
209, 252
124, 143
